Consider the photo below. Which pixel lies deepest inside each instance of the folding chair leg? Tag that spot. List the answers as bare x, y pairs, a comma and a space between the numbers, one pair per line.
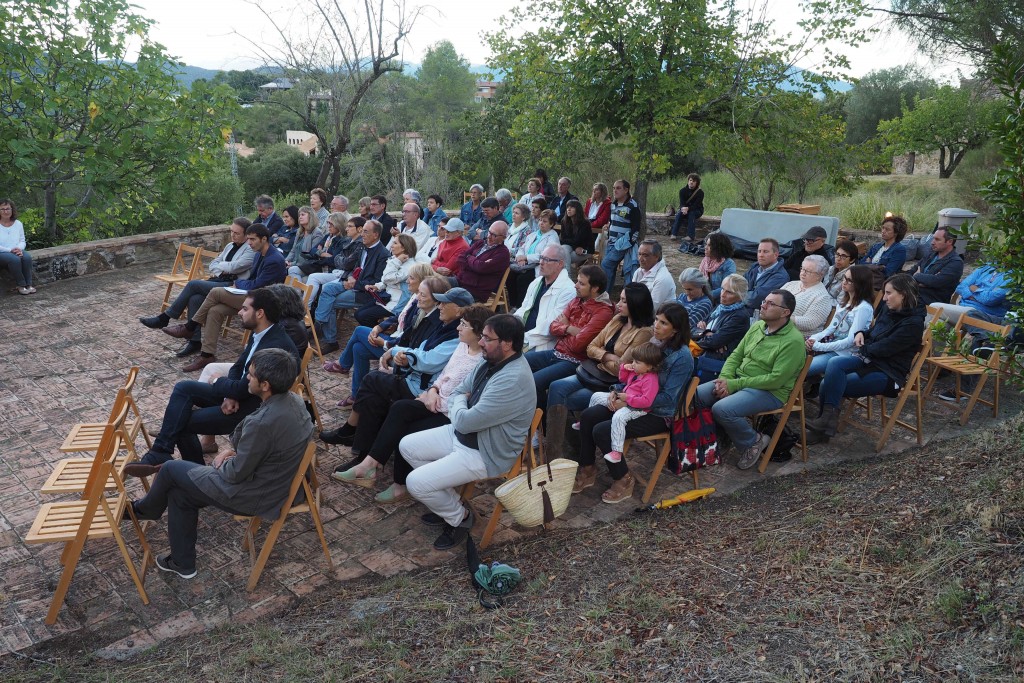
320, 531
69, 558
261, 561
890, 421
316, 339
656, 472
492, 524
803, 432
973, 401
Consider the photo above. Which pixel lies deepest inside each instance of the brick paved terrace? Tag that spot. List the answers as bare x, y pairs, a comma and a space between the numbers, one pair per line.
66, 350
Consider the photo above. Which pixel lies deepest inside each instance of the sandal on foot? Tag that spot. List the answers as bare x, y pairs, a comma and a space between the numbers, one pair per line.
368, 481
335, 366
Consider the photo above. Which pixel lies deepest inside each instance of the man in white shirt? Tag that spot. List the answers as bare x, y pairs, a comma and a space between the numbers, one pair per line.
653, 273
412, 225
545, 300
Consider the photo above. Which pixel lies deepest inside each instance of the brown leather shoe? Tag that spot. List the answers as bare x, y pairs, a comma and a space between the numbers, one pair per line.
620, 490
199, 362
178, 331
586, 477
141, 469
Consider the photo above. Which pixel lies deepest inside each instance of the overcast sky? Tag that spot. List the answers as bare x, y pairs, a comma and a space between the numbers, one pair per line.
203, 33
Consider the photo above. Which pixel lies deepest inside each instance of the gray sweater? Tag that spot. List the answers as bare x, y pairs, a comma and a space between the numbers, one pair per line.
500, 419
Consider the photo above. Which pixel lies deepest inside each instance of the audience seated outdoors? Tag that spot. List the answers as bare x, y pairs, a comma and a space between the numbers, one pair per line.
575, 328
265, 215
653, 272
852, 316
890, 253
938, 275
758, 376
196, 408
435, 212
284, 239
846, 257
407, 327
519, 229
696, 298
268, 267
717, 263
483, 265
526, 264
232, 263
545, 299
379, 213
577, 236
691, 208
505, 204
881, 360
12, 248
428, 409
412, 225
404, 372
534, 191
413, 196
351, 293
560, 201
302, 256
766, 275
813, 302
613, 345
813, 244
598, 211
390, 293
339, 204
727, 324
625, 218
251, 477
347, 252
318, 202
472, 211
490, 214
672, 336
537, 206
449, 252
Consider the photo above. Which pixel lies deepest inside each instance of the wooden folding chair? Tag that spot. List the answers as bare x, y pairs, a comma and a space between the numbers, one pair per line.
94, 516
795, 404
180, 272
85, 436
205, 256
527, 455
303, 388
500, 296
666, 446
971, 365
306, 479
892, 420
307, 294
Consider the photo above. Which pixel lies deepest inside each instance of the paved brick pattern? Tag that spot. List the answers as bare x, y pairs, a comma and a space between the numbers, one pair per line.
64, 353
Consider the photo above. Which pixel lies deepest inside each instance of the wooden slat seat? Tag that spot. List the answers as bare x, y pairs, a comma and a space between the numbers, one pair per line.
500, 297
186, 263
795, 404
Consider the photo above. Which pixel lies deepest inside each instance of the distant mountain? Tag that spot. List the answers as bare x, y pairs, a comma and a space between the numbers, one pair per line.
186, 74
796, 82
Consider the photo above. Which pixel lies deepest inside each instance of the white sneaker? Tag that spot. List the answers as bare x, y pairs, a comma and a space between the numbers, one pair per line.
24, 291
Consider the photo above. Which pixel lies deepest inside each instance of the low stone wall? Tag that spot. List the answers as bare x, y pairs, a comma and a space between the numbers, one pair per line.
88, 258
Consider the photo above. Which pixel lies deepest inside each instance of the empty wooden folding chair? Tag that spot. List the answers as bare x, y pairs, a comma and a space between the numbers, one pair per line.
85, 436
305, 479
303, 388
795, 404
972, 366
890, 421
94, 516
526, 457
186, 261
500, 297
665, 447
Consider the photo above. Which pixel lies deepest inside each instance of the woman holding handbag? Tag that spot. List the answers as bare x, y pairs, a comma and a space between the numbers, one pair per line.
630, 327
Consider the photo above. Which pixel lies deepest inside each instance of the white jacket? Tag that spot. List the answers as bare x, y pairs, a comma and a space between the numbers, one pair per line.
421, 232
660, 281
551, 305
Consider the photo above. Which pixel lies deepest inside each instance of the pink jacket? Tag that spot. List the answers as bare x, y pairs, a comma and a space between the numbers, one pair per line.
640, 389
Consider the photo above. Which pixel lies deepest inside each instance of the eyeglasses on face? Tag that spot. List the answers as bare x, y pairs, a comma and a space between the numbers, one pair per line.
484, 339
546, 259
771, 304
840, 254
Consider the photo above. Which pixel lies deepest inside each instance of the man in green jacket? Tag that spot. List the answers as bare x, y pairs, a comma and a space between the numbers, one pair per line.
759, 375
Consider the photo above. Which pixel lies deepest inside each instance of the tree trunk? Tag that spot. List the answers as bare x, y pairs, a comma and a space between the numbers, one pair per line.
639, 194
50, 212
325, 169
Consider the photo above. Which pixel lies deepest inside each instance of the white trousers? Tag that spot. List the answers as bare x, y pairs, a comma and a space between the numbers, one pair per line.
619, 418
440, 466
318, 280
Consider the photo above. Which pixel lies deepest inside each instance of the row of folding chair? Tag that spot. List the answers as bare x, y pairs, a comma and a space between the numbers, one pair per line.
181, 273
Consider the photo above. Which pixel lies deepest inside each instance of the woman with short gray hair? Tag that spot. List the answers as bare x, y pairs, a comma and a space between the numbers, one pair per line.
696, 297
813, 302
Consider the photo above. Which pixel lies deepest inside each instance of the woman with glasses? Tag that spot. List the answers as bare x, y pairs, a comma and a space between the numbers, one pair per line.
813, 302
846, 256
852, 316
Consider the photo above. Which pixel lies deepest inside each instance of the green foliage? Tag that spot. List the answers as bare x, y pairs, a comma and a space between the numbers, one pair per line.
951, 121
278, 169
971, 28
245, 83
882, 95
444, 81
265, 124
214, 200
100, 143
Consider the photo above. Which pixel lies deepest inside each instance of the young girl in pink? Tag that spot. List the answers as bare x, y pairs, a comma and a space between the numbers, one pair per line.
641, 386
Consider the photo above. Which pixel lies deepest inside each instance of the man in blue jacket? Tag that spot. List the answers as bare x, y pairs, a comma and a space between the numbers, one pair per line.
769, 273
268, 268
200, 408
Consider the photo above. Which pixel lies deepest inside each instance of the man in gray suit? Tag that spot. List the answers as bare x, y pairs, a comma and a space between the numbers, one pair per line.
252, 477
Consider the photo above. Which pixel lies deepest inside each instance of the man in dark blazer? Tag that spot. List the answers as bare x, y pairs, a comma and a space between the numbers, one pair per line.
252, 477
559, 201
200, 408
379, 212
351, 292
266, 214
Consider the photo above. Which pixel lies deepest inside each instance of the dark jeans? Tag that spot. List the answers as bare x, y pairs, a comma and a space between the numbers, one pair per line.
406, 416
547, 368
371, 314
192, 295
690, 219
174, 492
377, 393
596, 433
182, 424
840, 381
518, 284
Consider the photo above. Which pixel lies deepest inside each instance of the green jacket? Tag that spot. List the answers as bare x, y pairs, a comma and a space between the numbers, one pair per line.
770, 362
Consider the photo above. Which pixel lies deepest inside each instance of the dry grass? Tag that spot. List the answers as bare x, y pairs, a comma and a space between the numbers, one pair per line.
907, 568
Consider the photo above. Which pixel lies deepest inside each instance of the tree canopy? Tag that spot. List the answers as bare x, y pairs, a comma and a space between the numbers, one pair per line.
971, 28
882, 95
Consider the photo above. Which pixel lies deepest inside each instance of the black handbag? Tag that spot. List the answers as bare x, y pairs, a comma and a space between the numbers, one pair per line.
592, 377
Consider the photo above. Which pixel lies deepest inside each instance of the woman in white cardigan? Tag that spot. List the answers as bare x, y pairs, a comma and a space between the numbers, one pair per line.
813, 302
853, 316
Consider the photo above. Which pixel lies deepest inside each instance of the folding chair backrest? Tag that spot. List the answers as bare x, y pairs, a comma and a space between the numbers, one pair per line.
305, 290
1001, 331
103, 463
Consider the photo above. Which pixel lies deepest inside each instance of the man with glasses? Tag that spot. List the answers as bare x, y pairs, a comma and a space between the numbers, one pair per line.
546, 298
938, 275
813, 243
413, 226
351, 293
759, 375
653, 273
483, 265
379, 212
233, 262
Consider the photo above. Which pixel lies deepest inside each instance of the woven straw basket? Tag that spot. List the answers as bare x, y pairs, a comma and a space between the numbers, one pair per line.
524, 495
